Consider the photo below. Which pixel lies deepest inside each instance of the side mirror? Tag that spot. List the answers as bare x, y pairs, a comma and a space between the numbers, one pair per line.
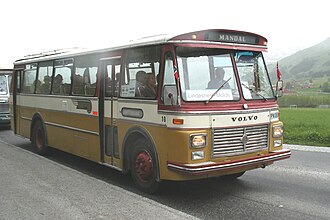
170, 95
279, 88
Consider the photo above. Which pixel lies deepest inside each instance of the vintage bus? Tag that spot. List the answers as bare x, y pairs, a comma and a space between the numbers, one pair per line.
5, 79
180, 107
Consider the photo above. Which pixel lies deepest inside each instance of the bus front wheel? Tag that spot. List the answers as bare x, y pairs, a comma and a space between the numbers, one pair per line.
39, 138
143, 167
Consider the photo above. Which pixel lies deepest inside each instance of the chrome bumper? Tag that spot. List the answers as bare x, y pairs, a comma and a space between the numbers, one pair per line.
207, 167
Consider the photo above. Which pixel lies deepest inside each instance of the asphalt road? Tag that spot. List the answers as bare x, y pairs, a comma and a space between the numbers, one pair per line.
297, 188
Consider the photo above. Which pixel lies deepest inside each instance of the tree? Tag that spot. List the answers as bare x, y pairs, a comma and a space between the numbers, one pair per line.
325, 87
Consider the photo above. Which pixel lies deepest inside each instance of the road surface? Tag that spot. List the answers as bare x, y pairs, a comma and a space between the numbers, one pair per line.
296, 188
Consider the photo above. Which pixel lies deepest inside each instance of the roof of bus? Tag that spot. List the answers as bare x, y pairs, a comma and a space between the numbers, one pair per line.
6, 71
145, 41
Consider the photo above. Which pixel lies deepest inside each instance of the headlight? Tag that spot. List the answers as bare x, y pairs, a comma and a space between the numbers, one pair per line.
198, 140
277, 131
197, 155
277, 143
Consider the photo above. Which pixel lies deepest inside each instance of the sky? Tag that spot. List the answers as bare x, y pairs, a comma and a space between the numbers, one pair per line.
34, 26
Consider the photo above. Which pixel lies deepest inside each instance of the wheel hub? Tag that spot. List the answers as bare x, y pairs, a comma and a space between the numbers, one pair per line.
144, 166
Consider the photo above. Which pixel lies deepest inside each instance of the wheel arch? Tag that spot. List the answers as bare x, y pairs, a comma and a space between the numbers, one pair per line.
133, 134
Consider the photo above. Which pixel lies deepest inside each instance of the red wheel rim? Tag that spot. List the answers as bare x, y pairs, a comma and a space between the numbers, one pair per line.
39, 139
143, 166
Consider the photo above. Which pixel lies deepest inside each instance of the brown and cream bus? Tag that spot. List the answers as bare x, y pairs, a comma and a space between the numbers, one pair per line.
181, 107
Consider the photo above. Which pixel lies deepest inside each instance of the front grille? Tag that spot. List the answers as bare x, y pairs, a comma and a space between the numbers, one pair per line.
4, 107
230, 141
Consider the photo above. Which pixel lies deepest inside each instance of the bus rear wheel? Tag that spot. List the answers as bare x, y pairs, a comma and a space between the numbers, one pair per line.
143, 167
39, 138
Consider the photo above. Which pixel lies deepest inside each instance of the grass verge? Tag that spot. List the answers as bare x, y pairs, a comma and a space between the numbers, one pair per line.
306, 126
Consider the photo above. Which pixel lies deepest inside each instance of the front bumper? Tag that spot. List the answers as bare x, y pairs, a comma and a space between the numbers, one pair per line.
209, 167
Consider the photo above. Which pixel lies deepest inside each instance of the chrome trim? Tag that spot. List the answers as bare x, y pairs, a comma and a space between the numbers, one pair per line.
60, 111
66, 127
72, 128
224, 166
239, 140
25, 118
68, 97
110, 58
138, 101
140, 122
224, 112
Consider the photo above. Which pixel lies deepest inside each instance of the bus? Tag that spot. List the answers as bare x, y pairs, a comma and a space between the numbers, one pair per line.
5, 79
156, 107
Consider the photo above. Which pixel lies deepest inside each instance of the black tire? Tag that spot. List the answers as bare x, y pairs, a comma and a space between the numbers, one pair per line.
39, 138
144, 167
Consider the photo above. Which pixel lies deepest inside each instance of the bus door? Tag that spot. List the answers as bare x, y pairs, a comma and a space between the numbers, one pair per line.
109, 83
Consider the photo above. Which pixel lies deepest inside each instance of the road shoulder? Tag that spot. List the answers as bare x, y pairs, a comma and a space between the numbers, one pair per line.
307, 148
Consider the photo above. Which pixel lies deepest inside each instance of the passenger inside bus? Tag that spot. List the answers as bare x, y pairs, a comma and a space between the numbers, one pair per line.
150, 85
140, 87
45, 87
218, 80
36, 84
57, 86
78, 84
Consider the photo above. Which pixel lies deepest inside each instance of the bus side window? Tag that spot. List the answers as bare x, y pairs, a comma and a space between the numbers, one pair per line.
169, 80
108, 81
62, 80
19, 82
139, 62
45, 71
84, 77
29, 78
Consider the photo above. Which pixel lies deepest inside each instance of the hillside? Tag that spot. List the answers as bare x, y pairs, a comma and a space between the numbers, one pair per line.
310, 63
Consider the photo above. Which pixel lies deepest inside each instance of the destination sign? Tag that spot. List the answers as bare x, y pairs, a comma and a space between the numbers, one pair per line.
232, 38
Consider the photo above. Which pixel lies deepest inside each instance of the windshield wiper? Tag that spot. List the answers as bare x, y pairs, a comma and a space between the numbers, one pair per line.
218, 90
255, 92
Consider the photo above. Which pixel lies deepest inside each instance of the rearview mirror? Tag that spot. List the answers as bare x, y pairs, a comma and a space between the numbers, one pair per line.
170, 95
279, 88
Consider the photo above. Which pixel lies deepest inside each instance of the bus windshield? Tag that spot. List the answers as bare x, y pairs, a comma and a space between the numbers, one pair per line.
208, 75
253, 76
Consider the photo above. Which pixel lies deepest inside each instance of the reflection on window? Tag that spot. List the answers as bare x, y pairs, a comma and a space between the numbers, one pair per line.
253, 76
206, 75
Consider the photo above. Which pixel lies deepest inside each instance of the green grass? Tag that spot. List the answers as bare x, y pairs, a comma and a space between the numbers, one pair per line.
306, 126
302, 100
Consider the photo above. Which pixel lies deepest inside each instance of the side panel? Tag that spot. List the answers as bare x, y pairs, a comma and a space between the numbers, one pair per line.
69, 121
